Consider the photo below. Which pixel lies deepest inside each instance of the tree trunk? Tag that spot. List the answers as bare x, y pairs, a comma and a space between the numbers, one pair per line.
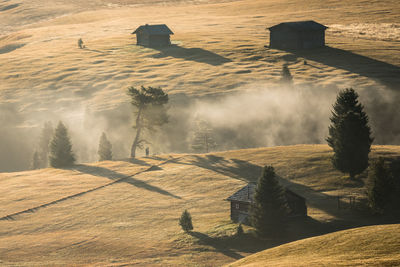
138, 131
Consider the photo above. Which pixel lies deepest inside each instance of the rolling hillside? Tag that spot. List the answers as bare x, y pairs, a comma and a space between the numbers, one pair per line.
126, 212
219, 49
366, 246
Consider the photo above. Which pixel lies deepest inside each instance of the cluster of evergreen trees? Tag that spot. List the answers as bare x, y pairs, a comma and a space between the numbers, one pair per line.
55, 148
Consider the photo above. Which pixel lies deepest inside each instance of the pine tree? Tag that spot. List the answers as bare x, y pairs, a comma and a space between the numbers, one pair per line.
203, 139
35, 161
44, 142
380, 186
349, 134
105, 148
149, 110
186, 221
270, 209
286, 76
61, 149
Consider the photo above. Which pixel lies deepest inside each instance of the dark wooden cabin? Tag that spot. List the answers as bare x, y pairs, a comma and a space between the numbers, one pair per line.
297, 35
242, 200
153, 35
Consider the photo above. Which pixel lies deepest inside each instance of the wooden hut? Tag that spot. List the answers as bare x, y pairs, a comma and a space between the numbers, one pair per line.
297, 35
242, 200
153, 35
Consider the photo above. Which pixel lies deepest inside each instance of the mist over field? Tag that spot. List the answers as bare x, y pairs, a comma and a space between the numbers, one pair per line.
257, 115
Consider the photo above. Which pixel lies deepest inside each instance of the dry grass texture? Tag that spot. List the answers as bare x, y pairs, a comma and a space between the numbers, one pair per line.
135, 220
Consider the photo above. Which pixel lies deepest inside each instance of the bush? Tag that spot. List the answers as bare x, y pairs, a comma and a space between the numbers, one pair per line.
186, 221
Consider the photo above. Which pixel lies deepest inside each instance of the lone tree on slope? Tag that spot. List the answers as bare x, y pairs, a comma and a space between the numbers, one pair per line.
149, 110
349, 134
270, 209
286, 76
105, 148
186, 221
61, 149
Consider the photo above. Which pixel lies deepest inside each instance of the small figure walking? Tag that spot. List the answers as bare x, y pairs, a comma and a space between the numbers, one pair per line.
147, 151
80, 43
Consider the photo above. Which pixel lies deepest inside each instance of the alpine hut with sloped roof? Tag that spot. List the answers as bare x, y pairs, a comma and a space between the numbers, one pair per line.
153, 35
297, 35
242, 200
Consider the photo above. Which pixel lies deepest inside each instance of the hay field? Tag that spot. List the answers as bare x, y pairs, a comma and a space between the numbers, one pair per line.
367, 246
126, 212
219, 49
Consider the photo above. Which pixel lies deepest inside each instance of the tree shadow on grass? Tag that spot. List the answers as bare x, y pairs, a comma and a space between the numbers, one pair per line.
385, 73
192, 54
235, 168
122, 178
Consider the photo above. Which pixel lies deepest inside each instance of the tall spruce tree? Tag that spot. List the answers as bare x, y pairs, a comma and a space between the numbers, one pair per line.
150, 112
349, 134
270, 209
61, 149
105, 148
44, 142
380, 186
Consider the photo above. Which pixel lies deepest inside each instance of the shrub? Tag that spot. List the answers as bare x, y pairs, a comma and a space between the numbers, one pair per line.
186, 221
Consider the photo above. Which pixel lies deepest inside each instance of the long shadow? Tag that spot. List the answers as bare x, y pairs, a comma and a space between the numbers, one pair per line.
192, 54
235, 168
385, 73
250, 172
103, 172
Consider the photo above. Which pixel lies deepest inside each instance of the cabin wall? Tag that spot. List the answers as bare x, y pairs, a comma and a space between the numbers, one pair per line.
159, 40
297, 205
142, 38
286, 38
239, 210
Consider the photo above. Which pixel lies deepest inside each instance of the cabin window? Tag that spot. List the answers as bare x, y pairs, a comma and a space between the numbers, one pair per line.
237, 206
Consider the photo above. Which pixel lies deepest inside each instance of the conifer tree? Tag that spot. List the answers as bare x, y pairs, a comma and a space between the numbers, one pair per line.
380, 186
61, 154
186, 221
35, 161
44, 142
349, 134
105, 148
286, 76
203, 139
150, 111
270, 209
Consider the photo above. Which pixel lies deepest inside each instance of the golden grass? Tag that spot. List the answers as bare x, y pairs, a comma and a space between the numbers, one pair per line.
366, 246
135, 221
221, 49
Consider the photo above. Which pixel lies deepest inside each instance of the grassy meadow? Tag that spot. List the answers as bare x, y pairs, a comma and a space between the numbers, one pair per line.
126, 212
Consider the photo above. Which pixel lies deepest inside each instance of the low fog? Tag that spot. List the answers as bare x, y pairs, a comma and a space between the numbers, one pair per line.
257, 116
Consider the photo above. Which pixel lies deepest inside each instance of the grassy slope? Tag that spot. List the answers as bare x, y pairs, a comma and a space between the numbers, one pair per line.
135, 221
365, 246
221, 49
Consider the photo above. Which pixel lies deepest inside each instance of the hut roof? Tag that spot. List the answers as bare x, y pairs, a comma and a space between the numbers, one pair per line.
246, 194
160, 29
308, 25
